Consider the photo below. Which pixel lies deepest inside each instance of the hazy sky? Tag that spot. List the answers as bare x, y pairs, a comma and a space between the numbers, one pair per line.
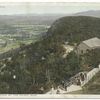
46, 8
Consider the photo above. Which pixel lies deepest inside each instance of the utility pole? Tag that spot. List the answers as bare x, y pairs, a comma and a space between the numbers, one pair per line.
71, 36
48, 75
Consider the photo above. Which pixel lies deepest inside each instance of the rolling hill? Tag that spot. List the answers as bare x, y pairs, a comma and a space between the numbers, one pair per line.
41, 64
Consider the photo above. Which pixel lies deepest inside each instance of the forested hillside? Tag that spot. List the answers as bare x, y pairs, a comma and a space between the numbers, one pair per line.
75, 29
41, 64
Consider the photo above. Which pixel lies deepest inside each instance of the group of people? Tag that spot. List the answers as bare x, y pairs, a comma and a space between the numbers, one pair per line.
81, 78
78, 79
53, 90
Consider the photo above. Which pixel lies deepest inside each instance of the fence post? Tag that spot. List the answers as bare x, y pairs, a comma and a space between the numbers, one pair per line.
99, 66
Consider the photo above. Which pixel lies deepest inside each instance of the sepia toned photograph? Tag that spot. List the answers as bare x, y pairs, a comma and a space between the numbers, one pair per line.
49, 48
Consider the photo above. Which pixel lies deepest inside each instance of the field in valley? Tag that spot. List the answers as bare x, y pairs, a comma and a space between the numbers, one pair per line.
14, 36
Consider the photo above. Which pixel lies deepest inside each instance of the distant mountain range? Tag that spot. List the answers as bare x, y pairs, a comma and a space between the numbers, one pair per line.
41, 19
93, 13
47, 19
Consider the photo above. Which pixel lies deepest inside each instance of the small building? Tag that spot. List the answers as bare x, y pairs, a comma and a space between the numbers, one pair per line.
87, 45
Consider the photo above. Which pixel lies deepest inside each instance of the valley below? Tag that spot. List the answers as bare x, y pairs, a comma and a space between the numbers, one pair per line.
13, 36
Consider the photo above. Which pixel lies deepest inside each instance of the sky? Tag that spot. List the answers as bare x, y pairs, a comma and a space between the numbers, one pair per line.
45, 8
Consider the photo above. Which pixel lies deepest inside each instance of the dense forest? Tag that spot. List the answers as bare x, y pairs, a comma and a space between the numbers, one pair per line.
41, 64
75, 29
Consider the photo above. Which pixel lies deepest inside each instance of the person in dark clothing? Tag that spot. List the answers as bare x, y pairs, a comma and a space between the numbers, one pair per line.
58, 92
78, 81
65, 87
82, 77
63, 83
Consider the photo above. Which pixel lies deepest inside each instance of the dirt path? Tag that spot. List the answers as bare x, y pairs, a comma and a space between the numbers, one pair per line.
73, 87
